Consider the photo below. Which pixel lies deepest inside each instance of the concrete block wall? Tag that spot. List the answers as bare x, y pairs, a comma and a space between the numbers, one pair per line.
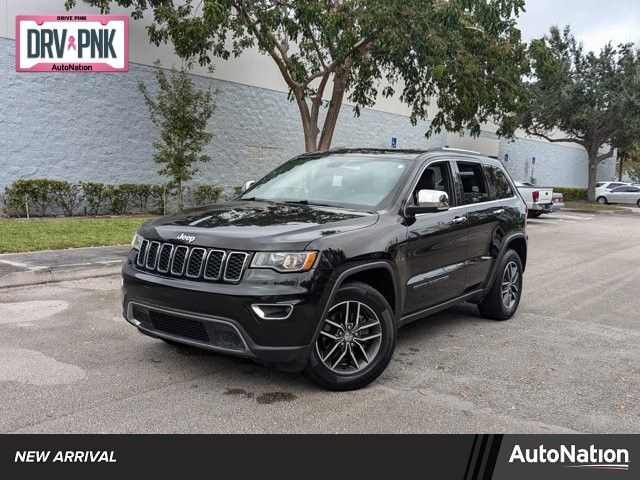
556, 165
95, 126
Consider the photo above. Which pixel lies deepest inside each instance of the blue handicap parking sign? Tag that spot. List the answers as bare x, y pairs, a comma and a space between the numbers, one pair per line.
394, 142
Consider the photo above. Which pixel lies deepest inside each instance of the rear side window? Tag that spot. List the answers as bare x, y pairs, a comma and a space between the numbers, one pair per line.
474, 187
499, 186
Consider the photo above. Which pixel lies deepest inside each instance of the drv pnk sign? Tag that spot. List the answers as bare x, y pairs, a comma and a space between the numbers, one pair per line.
72, 43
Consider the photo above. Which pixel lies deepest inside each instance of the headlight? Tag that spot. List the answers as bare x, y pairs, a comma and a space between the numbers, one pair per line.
136, 242
285, 261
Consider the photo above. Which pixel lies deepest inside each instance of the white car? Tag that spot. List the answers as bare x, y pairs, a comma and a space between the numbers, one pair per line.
608, 186
628, 194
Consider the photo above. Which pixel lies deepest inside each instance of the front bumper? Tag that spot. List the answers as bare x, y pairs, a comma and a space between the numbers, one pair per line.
220, 317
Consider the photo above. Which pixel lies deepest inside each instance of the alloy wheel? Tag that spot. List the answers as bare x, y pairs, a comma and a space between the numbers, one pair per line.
510, 285
350, 338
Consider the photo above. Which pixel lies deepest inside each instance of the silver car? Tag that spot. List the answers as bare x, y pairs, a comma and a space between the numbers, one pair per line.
629, 194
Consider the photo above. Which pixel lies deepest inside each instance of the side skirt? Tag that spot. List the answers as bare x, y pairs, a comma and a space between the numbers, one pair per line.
412, 317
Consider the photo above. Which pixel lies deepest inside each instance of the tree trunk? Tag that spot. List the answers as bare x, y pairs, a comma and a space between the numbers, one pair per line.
333, 112
620, 167
180, 204
593, 171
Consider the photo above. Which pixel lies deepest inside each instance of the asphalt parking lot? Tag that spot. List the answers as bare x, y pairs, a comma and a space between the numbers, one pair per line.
569, 361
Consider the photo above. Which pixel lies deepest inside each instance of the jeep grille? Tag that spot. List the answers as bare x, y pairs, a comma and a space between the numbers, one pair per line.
195, 263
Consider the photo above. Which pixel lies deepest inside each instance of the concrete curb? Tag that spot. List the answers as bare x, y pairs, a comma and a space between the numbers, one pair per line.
48, 275
598, 212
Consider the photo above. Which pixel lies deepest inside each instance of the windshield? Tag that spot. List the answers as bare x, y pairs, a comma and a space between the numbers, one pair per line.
356, 181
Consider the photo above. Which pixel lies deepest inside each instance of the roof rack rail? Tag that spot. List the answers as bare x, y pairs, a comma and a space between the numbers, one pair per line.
461, 150
373, 150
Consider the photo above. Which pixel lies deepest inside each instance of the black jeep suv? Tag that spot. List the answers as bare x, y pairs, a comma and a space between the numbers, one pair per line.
315, 266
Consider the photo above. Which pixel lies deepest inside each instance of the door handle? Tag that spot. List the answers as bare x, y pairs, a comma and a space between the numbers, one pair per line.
459, 220
500, 211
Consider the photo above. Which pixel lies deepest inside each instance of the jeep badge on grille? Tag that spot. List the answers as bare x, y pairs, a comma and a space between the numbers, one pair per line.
186, 238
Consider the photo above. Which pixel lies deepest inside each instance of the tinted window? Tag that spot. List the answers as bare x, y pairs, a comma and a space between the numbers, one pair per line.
615, 185
435, 177
619, 189
474, 188
599, 184
348, 181
633, 189
499, 186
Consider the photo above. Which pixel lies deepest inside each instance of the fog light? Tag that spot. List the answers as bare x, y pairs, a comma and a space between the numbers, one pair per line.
273, 311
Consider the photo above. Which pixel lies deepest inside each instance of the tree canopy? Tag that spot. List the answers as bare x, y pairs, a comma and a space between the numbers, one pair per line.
591, 99
466, 56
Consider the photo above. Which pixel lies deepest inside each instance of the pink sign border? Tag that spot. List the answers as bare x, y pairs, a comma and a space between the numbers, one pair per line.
97, 67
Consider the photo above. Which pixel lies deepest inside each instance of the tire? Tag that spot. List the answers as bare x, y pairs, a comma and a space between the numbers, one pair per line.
602, 200
535, 213
366, 352
493, 305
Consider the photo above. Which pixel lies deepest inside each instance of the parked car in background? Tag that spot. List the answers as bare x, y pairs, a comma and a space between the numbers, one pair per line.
558, 202
539, 200
628, 194
608, 186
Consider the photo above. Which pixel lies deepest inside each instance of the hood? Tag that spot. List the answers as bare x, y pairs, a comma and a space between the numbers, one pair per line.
253, 225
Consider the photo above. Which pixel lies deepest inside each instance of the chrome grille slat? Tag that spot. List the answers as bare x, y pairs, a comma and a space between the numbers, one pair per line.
164, 257
213, 265
142, 254
234, 268
194, 263
152, 255
179, 260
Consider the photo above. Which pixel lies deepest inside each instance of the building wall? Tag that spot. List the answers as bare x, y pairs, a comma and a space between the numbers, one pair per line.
84, 126
558, 165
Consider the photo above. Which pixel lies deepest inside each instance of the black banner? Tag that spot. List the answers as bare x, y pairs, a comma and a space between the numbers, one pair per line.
464, 457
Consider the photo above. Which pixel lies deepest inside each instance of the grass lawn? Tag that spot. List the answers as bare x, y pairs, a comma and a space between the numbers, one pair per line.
22, 235
582, 205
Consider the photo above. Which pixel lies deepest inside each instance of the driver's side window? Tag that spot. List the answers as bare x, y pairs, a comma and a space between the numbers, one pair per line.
436, 176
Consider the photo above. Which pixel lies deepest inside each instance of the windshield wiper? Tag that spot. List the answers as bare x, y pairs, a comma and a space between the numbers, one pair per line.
256, 199
318, 204
307, 202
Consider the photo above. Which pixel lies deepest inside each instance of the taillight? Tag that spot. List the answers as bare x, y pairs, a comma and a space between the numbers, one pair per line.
536, 196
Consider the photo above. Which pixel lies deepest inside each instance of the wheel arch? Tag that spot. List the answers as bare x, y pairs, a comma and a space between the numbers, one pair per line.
362, 274
519, 244
516, 241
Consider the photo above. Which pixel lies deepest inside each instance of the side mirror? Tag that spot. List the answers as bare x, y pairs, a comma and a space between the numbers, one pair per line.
247, 185
430, 201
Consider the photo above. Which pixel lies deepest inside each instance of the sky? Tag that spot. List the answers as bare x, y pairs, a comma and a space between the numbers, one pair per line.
594, 22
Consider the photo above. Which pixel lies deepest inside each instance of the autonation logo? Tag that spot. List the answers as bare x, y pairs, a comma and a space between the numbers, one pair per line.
573, 457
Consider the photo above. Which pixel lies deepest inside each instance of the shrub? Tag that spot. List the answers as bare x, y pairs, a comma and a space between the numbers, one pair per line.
96, 195
45, 196
65, 195
572, 194
38, 195
206, 194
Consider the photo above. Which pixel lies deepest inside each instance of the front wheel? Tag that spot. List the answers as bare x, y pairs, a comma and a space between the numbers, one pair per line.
356, 340
601, 200
504, 296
